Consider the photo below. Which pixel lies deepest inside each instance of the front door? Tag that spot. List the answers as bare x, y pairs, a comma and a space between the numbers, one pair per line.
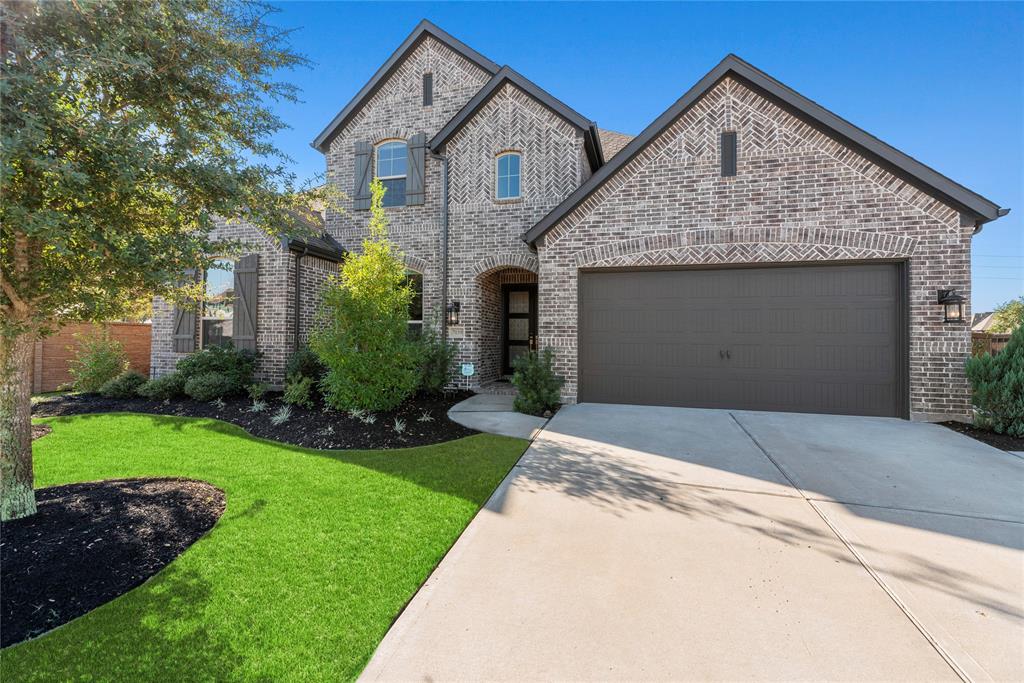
520, 323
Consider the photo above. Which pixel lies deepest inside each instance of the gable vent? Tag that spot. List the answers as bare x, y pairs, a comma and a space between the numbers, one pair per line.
728, 154
428, 89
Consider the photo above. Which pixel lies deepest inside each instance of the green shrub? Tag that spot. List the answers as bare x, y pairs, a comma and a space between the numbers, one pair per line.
304, 363
436, 358
171, 385
234, 366
256, 391
998, 387
209, 386
125, 385
539, 387
298, 390
98, 359
363, 340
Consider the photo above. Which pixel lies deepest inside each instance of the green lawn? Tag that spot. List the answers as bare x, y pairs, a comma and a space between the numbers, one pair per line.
300, 579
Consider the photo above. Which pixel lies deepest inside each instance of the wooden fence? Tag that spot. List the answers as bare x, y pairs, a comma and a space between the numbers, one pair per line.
51, 368
988, 342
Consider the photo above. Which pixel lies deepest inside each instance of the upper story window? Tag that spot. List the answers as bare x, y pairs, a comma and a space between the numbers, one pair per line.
507, 176
392, 166
219, 307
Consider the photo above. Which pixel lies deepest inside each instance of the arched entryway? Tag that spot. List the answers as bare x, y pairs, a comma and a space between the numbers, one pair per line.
507, 324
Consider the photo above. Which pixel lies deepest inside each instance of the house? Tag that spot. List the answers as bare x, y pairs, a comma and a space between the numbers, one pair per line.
749, 249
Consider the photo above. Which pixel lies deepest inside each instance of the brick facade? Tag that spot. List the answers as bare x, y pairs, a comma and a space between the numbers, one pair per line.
799, 196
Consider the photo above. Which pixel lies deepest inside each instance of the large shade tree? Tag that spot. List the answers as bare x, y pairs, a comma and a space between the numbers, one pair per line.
126, 127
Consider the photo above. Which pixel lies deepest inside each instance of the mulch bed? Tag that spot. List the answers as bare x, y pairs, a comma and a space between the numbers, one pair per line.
317, 427
1003, 441
92, 542
40, 431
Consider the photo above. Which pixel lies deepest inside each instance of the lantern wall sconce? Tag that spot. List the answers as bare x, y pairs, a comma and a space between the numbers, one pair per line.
952, 305
452, 312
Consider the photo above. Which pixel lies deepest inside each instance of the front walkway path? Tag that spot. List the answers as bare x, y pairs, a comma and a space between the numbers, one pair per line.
494, 414
638, 543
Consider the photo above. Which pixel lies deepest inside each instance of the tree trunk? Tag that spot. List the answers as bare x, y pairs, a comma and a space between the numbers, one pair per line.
17, 496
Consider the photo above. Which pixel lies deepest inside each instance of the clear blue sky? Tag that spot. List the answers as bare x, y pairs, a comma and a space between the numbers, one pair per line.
941, 82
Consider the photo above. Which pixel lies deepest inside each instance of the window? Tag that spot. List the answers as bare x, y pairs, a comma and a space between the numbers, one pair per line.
728, 154
507, 176
416, 305
428, 90
219, 307
392, 161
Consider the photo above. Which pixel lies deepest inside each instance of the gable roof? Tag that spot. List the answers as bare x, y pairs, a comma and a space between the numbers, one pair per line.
979, 209
592, 141
418, 35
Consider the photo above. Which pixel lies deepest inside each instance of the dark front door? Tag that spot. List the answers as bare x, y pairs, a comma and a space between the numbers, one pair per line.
519, 324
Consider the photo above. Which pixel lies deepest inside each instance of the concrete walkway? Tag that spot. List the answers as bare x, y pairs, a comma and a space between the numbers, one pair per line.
661, 543
494, 414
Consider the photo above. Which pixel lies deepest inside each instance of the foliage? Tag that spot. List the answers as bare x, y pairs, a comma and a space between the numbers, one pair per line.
363, 341
304, 363
282, 415
234, 365
998, 387
398, 425
1008, 316
436, 359
298, 391
294, 517
171, 385
539, 387
125, 385
258, 406
256, 391
208, 386
98, 359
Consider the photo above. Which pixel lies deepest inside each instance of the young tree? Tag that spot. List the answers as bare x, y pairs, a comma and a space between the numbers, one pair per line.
1008, 316
364, 339
126, 126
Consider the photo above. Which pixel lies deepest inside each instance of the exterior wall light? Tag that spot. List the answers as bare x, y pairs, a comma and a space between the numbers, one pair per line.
452, 312
952, 305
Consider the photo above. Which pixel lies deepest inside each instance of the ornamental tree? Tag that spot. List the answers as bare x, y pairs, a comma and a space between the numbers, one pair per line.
1008, 316
126, 127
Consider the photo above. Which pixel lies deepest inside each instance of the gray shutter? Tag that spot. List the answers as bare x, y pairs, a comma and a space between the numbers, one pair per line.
244, 319
417, 166
361, 188
184, 331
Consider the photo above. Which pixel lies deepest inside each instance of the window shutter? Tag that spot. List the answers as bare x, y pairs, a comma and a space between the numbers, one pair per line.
361, 188
244, 320
183, 335
417, 166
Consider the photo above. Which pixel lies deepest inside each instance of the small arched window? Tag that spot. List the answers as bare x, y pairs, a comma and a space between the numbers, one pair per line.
506, 177
392, 166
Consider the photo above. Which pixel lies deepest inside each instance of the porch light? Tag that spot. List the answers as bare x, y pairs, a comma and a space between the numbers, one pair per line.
452, 312
952, 305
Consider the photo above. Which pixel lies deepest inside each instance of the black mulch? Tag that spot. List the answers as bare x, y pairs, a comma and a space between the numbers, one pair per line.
40, 431
1003, 441
92, 542
424, 419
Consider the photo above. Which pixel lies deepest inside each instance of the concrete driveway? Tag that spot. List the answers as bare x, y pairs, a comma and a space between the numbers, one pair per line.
650, 543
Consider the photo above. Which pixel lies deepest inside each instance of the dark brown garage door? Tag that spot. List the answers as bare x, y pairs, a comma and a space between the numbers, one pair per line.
823, 339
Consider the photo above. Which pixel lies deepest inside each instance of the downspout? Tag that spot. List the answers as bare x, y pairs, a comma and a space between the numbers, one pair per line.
298, 291
444, 244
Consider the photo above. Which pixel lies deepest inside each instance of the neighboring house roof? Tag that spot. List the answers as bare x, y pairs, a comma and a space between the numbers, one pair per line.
418, 35
977, 208
506, 75
612, 142
982, 321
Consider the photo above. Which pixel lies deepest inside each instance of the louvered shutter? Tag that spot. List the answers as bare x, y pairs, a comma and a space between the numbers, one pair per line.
417, 166
361, 188
244, 319
184, 331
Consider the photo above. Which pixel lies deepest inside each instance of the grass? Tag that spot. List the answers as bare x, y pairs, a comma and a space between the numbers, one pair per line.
316, 554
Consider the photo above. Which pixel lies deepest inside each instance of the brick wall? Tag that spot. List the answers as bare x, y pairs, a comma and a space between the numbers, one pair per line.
51, 368
798, 196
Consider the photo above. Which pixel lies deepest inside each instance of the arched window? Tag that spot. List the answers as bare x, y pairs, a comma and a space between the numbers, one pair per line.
506, 177
392, 165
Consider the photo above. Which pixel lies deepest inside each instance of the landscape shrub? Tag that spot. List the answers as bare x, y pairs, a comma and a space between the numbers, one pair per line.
171, 385
125, 385
298, 390
210, 386
997, 384
436, 359
305, 364
98, 359
234, 366
363, 340
539, 387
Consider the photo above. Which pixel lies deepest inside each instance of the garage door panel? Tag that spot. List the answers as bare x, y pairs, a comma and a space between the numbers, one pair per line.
807, 338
